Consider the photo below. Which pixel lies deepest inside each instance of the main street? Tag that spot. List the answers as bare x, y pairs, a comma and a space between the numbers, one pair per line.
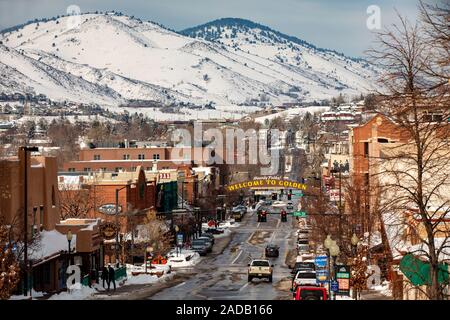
224, 276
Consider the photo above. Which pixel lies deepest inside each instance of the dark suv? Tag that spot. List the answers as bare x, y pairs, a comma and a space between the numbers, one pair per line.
200, 246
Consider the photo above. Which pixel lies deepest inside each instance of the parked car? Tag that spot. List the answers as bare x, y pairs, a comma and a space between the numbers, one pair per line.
304, 278
272, 250
200, 246
303, 266
241, 208
208, 235
260, 269
209, 242
303, 248
262, 216
237, 215
213, 231
310, 293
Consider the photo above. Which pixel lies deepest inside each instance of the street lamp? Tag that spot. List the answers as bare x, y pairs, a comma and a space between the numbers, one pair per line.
69, 237
334, 252
25, 219
354, 240
328, 243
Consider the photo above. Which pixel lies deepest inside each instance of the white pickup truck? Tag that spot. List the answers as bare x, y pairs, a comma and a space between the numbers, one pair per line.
304, 278
260, 269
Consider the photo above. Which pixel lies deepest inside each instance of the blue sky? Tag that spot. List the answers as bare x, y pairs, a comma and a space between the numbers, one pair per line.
334, 24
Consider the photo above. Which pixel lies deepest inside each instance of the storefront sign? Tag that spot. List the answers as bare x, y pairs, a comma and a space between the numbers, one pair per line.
109, 208
108, 230
267, 183
343, 278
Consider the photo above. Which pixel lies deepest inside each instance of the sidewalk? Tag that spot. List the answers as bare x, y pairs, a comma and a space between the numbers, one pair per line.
374, 295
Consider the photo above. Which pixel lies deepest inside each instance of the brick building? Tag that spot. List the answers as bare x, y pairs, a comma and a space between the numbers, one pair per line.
48, 256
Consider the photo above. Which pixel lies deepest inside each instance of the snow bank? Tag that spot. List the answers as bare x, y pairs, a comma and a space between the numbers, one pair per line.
187, 258
225, 234
142, 279
76, 294
383, 289
34, 295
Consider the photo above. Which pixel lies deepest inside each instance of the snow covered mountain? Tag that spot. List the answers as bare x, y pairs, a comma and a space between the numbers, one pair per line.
110, 59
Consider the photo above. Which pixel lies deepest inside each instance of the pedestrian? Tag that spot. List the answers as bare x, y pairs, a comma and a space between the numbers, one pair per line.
105, 276
112, 278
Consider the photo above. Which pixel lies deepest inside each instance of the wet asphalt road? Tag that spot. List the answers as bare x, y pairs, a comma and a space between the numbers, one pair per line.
224, 276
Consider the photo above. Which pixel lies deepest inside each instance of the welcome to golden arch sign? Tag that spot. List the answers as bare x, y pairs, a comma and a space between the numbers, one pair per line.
269, 183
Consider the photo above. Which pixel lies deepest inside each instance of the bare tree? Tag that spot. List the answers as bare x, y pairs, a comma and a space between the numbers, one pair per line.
414, 175
9, 263
77, 202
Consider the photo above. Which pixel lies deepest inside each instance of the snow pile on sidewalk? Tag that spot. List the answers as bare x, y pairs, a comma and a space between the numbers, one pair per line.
76, 294
343, 298
187, 258
225, 234
142, 279
155, 268
383, 289
34, 295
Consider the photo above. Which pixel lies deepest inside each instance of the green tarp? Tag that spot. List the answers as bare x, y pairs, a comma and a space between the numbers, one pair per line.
418, 271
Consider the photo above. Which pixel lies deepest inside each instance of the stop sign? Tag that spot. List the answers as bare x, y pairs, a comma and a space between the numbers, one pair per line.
211, 223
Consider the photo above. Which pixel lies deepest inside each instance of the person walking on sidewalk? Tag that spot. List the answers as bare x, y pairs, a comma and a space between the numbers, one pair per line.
112, 277
105, 276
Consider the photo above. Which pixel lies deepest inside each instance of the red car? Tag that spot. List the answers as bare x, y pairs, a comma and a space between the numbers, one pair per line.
310, 293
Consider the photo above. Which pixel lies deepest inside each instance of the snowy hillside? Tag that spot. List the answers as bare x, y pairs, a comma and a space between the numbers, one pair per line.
111, 59
325, 68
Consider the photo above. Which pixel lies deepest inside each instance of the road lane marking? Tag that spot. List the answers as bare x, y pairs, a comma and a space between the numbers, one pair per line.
181, 284
239, 254
244, 286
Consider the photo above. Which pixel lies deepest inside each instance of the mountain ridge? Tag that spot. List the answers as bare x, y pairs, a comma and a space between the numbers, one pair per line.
240, 62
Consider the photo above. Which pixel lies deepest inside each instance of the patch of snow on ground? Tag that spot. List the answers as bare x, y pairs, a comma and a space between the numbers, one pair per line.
383, 289
34, 295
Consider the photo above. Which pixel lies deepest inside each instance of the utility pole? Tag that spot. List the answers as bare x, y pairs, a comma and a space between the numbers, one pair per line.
117, 223
25, 216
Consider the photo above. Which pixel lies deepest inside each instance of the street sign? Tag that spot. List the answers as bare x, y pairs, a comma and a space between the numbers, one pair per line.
180, 239
321, 275
300, 214
342, 273
334, 195
334, 286
321, 261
